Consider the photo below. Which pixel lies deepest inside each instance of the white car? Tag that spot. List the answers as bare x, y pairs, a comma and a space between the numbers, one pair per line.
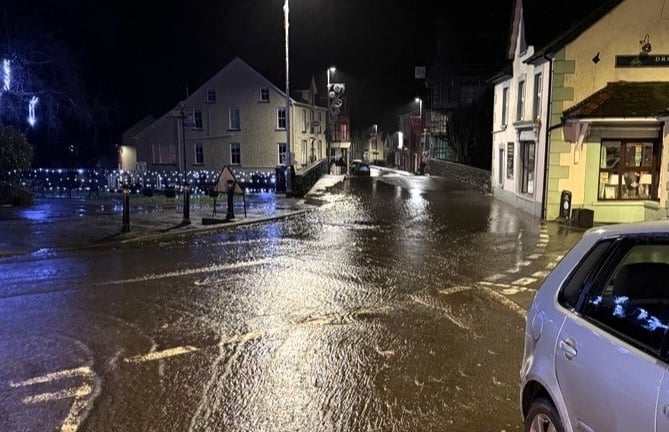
596, 355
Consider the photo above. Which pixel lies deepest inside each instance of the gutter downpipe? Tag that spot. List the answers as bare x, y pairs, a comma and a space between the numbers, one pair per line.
547, 140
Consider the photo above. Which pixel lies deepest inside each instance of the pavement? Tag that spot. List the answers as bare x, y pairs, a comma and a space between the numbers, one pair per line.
56, 222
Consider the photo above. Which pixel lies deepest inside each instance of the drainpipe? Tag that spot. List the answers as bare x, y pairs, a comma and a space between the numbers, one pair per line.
547, 140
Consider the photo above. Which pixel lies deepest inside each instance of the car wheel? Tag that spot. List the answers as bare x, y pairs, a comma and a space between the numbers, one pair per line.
543, 417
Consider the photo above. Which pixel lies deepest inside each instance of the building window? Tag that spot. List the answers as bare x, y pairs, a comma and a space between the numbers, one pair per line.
235, 154
304, 121
199, 154
282, 153
320, 120
500, 166
234, 119
197, 119
505, 105
520, 107
509, 160
281, 118
164, 154
311, 122
303, 153
264, 94
536, 107
343, 132
628, 169
527, 167
211, 96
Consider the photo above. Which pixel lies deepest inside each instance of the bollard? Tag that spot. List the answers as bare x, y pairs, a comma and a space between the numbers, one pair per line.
126, 208
186, 219
231, 194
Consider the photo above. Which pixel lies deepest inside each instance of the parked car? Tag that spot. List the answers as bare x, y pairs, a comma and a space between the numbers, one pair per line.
359, 168
596, 352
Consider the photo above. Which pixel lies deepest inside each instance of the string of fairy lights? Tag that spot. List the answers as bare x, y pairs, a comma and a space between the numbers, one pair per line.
60, 181
7, 87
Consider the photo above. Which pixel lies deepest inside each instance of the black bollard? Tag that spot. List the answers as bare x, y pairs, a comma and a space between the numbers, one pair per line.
231, 194
186, 219
126, 208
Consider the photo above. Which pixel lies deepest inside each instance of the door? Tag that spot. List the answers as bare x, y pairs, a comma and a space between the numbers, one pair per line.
607, 386
608, 359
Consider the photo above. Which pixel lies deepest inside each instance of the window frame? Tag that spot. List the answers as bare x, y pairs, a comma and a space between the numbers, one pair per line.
232, 124
527, 166
198, 123
281, 118
263, 95
520, 102
235, 153
282, 149
598, 283
538, 89
505, 107
211, 96
198, 153
626, 179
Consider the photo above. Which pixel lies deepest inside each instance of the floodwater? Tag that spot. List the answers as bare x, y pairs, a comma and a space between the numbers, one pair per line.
365, 314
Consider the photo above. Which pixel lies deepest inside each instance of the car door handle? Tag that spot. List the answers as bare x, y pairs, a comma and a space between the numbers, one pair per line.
569, 347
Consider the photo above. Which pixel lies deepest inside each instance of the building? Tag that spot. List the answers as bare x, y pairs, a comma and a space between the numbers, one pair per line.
579, 124
236, 118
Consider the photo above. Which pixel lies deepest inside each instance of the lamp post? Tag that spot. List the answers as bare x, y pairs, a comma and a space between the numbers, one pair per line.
330, 126
288, 158
421, 142
186, 186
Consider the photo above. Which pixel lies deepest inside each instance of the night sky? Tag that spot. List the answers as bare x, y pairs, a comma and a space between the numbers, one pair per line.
138, 57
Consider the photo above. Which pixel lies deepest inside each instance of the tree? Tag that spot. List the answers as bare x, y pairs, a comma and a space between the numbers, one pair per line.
468, 132
16, 153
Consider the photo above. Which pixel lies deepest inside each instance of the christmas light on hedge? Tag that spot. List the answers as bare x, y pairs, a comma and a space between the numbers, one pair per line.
31, 110
6, 75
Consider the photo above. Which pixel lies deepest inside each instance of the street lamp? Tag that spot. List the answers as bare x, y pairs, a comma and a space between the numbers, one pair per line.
288, 159
421, 145
328, 114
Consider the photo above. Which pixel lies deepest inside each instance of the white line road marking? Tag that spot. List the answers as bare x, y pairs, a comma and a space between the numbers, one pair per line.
159, 355
540, 274
74, 416
454, 290
80, 371
77, 392
495, 277
193, 271
505, 301
534, 256
524, 281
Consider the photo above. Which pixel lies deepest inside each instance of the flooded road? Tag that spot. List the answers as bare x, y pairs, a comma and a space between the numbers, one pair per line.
366, 314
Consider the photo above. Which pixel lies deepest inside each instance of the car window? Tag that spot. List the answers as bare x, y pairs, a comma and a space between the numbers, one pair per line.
632, 302
584, 272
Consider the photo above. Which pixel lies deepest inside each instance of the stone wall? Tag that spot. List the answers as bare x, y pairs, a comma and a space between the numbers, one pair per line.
476, 177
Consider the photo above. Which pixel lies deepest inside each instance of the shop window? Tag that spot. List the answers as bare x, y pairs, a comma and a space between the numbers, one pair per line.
628, 170
509, 161
527, 167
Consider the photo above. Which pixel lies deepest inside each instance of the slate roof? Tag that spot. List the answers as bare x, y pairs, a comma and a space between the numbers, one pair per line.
624, 99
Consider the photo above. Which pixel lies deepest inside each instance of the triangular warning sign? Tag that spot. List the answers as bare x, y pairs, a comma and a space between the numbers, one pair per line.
224, 177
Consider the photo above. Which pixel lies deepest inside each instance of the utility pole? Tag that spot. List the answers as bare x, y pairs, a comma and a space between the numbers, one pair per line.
289, 190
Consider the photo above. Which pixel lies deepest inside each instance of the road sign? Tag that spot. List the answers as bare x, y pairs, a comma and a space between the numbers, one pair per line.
222, 181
